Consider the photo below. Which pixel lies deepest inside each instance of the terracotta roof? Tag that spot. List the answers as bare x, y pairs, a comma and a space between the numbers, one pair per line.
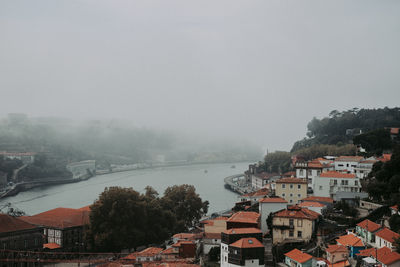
368, 225
289, 174
212, 235
320, 199
169, 264
350, 240
298, 256
131, 256
168, 251
387, 234
306, 204
59, 218
178, 244
149, 252
245, 217
395, 207
384, 255
297, 212
394, 130
12, 224
234, 231
335, 174
248, 242
336, 248
272, 200
259, 193
385, 157
350, 158
85, 208
339, 264
291, 181
315, 165
51, 246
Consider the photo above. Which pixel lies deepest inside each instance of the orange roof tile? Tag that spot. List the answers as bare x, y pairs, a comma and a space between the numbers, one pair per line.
262, 192
178, 244
320, 199
306, 204
350, 240
395, 207
248, 242
131, 256
336, 248
59, 218
298, 256
335, 174
387, 234
184, 236
394, 130
149, 252
245, 217
212, 235
384, 255
297, 212
291, 181
344, 263
12, 224
272, 200
169, 251
368, 225
51, 245
233, 231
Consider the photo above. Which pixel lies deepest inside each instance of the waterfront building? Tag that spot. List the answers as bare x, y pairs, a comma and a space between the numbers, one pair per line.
294, 224
259, 180
291, 189
16, 234
255, 196
62, 226
296, 258
267, 206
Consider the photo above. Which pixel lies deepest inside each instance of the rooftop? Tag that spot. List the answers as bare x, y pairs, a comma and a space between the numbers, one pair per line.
11, 224
234, 231
335, 174
298, 256
248, 242
306, 204
368, 225
245, 217
319, 199
350, 158
297, 212
384, 255
262, 192
336, 248
350, 240
149, 252
387, 235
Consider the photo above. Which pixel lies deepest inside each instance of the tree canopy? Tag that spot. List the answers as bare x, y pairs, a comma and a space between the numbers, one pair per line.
123, 218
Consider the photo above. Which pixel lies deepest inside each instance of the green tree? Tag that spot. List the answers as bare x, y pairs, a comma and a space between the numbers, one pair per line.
278, 161
186, 204
394, 222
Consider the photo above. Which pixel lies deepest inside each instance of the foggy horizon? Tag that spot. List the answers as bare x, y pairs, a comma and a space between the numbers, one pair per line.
257, 71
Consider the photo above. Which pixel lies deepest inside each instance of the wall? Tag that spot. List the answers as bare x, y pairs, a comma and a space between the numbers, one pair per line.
265, 209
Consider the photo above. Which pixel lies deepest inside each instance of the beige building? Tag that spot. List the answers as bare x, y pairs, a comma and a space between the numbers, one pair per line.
291, 189
293, 224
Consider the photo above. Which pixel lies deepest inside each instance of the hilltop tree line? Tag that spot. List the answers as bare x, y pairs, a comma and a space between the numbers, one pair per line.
122, 218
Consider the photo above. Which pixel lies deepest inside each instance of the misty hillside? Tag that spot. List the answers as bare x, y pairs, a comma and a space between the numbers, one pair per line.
113, 142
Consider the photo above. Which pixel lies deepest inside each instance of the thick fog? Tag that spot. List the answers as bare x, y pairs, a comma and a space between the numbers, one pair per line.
237, 69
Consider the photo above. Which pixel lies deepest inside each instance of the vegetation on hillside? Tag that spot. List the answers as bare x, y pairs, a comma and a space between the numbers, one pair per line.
122, 218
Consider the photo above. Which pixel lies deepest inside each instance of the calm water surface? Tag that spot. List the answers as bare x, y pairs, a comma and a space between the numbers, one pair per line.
210, 186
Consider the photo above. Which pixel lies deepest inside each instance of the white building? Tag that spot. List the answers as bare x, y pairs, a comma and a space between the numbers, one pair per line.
347, 163
385, 238
268, 206
312, 169
364, 167
328, 184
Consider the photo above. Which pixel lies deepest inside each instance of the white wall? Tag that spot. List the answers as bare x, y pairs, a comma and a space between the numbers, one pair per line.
265, 209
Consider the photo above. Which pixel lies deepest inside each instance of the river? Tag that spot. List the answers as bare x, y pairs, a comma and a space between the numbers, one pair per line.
209, 185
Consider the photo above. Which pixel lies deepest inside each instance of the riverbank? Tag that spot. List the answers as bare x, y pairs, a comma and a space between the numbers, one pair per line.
237, 183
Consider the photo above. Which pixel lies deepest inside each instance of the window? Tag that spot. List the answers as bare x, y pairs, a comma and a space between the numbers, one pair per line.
291, 222
310, 172
283, 194
291, 186
25, 243
291, 201
340, 165
335, 182
301, 172
299, 222
298, 195
299, 233
355, 182
283, 186
291, 233
291, 194
320, 187
347, 165
299, 185
318, 172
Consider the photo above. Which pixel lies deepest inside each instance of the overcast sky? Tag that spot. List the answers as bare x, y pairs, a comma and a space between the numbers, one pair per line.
254, 70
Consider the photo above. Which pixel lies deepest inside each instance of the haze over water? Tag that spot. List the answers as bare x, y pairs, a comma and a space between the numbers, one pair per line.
210, 186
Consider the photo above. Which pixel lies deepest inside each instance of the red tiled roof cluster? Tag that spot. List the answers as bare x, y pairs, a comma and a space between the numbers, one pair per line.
178, 244
298, 256
387, 235
350, 240
394, 130
12, 224
335, 174
59, 218
297, 212
291, 180
259, 193
318, 199
247, 242
149, 252
184, 236
245, 217
384, 255
234, 231
368, 225
272, 200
